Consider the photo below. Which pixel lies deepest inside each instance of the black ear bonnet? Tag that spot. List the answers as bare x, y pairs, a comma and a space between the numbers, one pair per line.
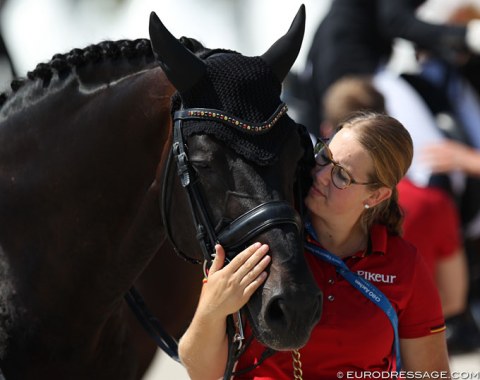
245, 88
245, 91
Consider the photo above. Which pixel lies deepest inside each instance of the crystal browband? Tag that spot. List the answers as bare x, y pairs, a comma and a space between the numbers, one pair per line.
225, 118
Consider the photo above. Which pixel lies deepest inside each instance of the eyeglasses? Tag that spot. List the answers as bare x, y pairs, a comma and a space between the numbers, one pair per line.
341, 178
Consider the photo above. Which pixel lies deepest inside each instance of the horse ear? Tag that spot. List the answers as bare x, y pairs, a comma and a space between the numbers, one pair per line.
283, 53
181, 66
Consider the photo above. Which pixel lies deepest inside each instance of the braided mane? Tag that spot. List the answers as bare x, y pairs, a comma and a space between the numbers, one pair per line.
63, 64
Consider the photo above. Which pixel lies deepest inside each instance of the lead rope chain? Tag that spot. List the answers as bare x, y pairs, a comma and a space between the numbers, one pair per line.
297, 365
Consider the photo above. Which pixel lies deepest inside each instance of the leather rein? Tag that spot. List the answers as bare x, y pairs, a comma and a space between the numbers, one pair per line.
232, 236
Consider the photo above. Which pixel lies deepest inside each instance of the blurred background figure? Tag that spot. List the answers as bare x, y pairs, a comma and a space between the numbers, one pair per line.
356, 37
450, 156
349, 94
451, 93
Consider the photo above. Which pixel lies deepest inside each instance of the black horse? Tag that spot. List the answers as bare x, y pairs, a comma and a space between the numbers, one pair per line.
91, 204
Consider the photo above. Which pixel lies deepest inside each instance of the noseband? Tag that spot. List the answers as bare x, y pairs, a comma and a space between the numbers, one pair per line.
236, 234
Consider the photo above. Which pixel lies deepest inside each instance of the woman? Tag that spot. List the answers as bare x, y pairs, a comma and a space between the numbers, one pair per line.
354, 214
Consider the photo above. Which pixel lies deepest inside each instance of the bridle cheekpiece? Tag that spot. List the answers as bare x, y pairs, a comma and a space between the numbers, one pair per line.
249, 224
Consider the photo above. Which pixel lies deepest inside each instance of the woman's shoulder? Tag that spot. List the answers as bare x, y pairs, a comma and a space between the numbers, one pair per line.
398, 255
398, 245
404, 256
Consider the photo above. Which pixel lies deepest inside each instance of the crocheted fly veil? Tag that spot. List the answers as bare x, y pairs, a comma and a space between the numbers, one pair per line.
242, 94
247, 94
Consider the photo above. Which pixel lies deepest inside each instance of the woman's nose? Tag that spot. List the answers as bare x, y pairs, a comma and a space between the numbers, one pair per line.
322, 173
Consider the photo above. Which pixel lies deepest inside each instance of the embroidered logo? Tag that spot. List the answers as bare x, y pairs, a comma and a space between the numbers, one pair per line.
377, 277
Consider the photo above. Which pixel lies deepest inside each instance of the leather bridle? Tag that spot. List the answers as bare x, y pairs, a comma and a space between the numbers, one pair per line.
237, 233
232, 236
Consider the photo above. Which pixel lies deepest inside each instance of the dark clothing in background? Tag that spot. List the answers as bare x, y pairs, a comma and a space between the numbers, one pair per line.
357, 35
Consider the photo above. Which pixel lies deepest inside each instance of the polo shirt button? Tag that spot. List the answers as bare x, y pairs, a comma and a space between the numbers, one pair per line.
330, 298
331, 281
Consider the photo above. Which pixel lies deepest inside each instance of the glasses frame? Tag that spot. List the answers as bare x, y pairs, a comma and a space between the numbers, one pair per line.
335, 166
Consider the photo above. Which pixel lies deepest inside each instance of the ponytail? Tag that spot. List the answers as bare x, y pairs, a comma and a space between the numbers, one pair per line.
388, 213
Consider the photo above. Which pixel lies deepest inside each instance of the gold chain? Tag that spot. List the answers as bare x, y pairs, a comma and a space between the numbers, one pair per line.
297, 365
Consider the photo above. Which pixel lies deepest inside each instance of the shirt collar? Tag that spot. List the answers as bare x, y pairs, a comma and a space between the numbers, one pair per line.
377, 241
378, 238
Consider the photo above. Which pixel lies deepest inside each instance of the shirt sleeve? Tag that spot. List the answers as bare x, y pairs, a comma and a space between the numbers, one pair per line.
422, 313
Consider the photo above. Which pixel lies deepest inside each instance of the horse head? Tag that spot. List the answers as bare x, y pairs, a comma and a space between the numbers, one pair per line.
239, 157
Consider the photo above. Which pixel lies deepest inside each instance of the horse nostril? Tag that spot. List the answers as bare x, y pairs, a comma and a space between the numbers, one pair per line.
276, 311
281, 312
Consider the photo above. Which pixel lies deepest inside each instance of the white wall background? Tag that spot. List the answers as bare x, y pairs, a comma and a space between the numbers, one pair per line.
35, 30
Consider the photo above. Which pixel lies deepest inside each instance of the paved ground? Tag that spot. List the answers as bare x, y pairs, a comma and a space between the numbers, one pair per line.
164, 368
466, 363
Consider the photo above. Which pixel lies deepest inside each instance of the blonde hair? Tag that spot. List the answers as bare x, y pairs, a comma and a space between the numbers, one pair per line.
391, 148
350, 94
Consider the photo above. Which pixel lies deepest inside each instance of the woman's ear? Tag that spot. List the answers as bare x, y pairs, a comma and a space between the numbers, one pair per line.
378, 196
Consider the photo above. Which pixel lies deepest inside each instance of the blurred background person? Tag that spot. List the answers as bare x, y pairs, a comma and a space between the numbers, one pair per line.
356, 37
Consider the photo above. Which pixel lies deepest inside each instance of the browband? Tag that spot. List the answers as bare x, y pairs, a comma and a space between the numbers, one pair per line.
225, 118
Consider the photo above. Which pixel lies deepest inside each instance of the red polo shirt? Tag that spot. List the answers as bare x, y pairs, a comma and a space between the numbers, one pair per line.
353, 333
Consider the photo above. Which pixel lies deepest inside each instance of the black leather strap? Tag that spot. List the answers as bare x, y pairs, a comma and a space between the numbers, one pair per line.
257, 220
151, 324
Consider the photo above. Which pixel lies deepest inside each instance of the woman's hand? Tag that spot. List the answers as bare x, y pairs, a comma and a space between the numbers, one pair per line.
451, 155
226, 291
229, 288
